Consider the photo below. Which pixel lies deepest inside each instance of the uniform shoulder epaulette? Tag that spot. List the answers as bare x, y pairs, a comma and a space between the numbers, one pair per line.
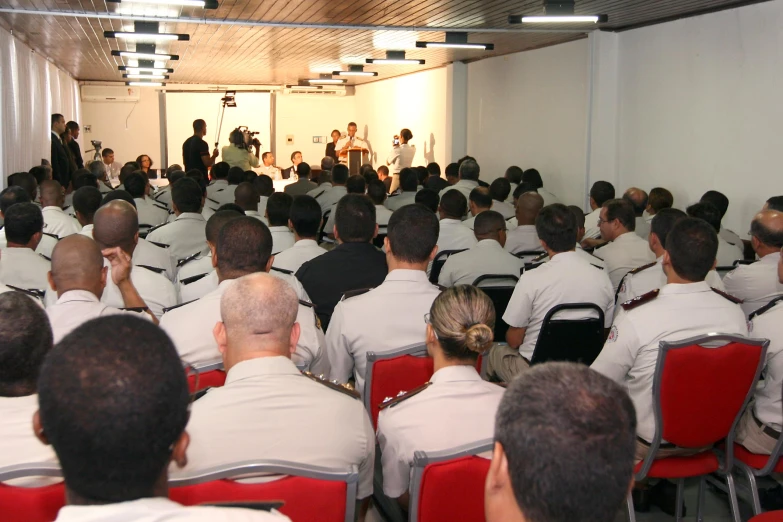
539, 257
213, 201
170, 308
598, 267
188, 259
390, 402
139, 309
160, 207
282, 270
66, 207
727, 296
308, 304
153, 229
394, 195
766, 307
640, 300
47, 258
354, 293
193, 279
319, 194
641, 268
342, 388
55, 236
32, 292
161, 245
155, 269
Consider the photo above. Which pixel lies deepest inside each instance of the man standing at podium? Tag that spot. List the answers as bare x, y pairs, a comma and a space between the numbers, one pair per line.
351, 141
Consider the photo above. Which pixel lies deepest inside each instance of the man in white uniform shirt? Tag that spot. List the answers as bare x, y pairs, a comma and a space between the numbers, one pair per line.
11, 196
727, 253
638, 200
150, 214
409, 185
305, 220
485, 257
500, 189
350, 141
56, 221
469, 172
20, 266
355, 185
579, 215
361, 324
721, 202
453, 236
268, 166
566, 278
626, 250
400, 157
376, 191
524, 237
600, 192
757, 284
115, 428
278, 209
334, 193
685, 307
479, 201
268, 409
246, 197
185, 235
533, 177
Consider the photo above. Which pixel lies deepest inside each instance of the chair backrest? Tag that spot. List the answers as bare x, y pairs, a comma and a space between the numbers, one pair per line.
378, 240
308, 492
573, 340
439, 261
18, 504
323, 233
700, 389
387, 374
500, 296
449, 485
207, 375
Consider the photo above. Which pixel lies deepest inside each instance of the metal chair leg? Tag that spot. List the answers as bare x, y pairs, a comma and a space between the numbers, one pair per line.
629, 505
735, 514
680, 499
752, 485
700, 499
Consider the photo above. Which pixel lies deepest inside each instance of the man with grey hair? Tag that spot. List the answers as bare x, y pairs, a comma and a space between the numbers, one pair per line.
97, 170
469, 172
268, 409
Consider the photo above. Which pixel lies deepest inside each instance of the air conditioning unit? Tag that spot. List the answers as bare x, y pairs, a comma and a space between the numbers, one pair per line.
314, 91
109, 93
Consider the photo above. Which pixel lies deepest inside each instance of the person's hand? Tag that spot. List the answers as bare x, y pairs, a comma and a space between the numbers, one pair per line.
255, 142
120, 264
215, 153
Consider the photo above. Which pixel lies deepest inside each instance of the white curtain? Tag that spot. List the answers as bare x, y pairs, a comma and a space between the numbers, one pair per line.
31, 89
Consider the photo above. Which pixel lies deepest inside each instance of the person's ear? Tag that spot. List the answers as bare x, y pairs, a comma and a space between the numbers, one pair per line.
667, 260
269, 264
430, 336
434, 253
291, 225
387, 245
51, 280
221, 337
174, 208
296, 331
38, 428
213, 251
179, 450
104, 276
375, 234
498, 476
136, 238
334, 232
714, 264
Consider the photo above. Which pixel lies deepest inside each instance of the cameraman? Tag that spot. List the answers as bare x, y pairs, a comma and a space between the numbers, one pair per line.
237, 154
400, 157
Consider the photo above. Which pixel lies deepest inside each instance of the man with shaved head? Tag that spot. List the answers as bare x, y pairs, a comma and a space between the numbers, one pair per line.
524, 237
56, 221
757, 284
247, 197
268, 409
116, 224
480, 200
79, 278
638, 200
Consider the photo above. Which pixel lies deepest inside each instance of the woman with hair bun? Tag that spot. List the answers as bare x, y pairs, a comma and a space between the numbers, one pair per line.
456, 407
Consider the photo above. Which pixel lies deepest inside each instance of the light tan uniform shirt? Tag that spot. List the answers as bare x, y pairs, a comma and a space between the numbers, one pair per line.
458, 408
505, 209
400, 200
654, 277
156, 291
300, 253
767, 405
269, 410
330, 197
486, 257
282, 238
464, 185
76, 307
20, 445
149, 213
454, 236
622, 255
23, 268
185, 235
728, 253
523, 238
57, 222
755, 284
592, 230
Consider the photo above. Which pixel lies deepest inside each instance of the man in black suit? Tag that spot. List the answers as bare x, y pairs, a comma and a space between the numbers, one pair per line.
303, 185
60, 164
73, 145
296, 159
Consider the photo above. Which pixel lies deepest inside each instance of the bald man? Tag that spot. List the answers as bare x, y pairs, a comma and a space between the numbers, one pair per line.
79, 276
268, 409
247, 197
638, 200
524, 237
56, 221
757, 284
116, 224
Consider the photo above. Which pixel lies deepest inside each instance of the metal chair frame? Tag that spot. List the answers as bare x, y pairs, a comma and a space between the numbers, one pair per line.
418, 349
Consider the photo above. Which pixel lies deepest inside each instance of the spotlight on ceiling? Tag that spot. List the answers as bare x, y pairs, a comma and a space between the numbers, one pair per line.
395, 58
457, 41
205, 4
355, 70
558, 11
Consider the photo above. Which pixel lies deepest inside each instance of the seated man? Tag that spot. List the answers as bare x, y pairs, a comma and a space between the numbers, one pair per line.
533, 177
115, 414
566, 278
524, 238
600, 193
452, 235
514, 176
303, 184
86, 201
685, 307
480, 200
354, 185
485, 257
721, 202
21, 267
56, 221
626, 250
265, 187
468, 172
278, 209
329, 194
268, 409
25, 339
376, 191
638, 200
354, 264
727, 253
757, 284
500, 189
544, 447
362, 323
429, 198
11, 196
150, 213
659, 199
185, 235
246, 196
579, 215
305, 220
409, 184
163, 196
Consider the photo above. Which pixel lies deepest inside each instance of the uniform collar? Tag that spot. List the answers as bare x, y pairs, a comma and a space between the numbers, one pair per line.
458, 373
280, 228
488, 243
306, 243
563, 257
252, 213
340, 187
525, 227
53, 209
626, 237
355, 246
221, 181
450, 221
467, 183
261, 366
688, 288
77, 295
772, 258
88, 228
190, 215
19, 251
325, 184
404, 274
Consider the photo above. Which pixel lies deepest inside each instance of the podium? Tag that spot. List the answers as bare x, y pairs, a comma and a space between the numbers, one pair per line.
355, 156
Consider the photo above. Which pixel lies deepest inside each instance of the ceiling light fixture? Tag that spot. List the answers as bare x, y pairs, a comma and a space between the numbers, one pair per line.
205, 4
457, 41
355, 70
149, 37
145, 84
145, 56
557, 11
146, 76
325, 79
137, 70
395, 58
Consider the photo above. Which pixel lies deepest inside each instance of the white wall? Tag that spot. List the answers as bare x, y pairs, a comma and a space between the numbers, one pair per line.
529, 109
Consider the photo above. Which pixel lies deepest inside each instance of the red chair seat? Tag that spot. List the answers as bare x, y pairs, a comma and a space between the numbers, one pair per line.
210, 379
683, 467
31, 504
391, 376
754, 460
453, 490
769, 516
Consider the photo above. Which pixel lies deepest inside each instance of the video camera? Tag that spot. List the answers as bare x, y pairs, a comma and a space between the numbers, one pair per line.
248, 134
97, 148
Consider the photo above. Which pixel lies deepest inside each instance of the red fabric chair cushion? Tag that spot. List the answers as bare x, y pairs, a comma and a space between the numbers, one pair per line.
210, 379
769, 516
391, 376
754, 460
305, 498
31, 504
683, 467
453, 490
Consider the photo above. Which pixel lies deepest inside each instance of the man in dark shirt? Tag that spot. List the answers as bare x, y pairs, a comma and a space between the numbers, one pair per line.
73, 145
195, 151
355, 264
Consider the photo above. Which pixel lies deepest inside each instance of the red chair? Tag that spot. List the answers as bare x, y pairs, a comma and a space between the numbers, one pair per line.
308, 492
19, 504
769, 516
209, 375
700, 389
449, 485
754, 465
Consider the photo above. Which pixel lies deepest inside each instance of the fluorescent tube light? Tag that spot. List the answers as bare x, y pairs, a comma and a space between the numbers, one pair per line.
557, 19
326, 81
395, 58
148, 37
145, 84
145, 56
137, 70
446, 45
147, 76
206, 4
354, 73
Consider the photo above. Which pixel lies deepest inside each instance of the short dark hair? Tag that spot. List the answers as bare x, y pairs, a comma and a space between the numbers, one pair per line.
216, 222
87, 200
429, 198
355, 219
72, 125
376, 190
434, 169
235, 175
356, 185
718, 199
22, 222
409, 180
105, 152
469, 170
293, 154
622, 211
565, 427
198, 125
371, 175
692, 245
56, 118
601, 192
113, 411
84, 179
303, 170
514, 174
775, 203
264, 185
769, 237
39, 173
220, 170
422, 174
454, 204
327, 163
660, 198
135, 184
488, 222
413, 233
706, 211
452, 170
556, 226
340, 174
232, 207
663, 221
407, 134
244, 246
26, 181
579, 216
533, 177
25, 339
12, 196
500, 189
278, 209
522, 188
118, 194
305, 216
187, 195
175, 176
481, 197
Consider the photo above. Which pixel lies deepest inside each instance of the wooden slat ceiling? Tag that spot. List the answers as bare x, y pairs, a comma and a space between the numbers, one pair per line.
228, 53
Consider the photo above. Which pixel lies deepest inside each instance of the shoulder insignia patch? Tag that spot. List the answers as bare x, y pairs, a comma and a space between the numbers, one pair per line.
187, 259
170, 308
55, 236
139, 309
160, 245
155, 269
282, 270
32, 292
390, 402
727, 296
639, 269
766, 307
193, 279
342, 388
354, 293
640, 300
539, 258
47, 258
308, 304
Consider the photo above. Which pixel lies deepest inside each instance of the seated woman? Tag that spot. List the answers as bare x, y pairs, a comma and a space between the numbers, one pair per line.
237, 154
456, 407
145, 165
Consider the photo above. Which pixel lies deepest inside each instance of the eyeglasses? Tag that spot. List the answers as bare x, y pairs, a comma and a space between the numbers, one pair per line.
428, 320
604, 221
